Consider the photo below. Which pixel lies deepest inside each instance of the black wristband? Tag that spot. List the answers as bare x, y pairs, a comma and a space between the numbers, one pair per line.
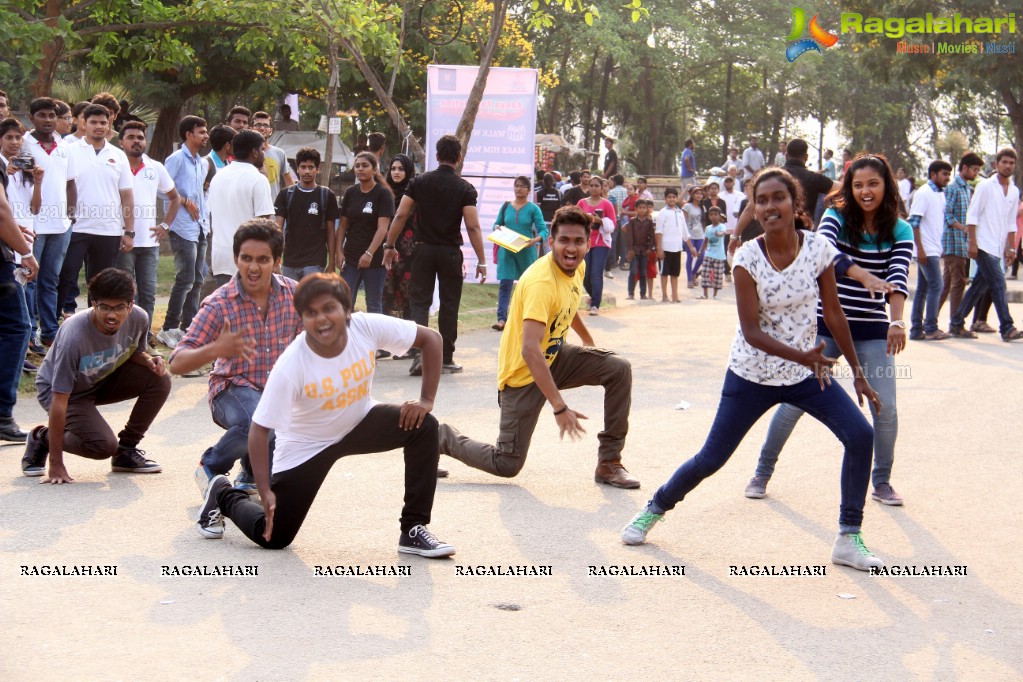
563, 409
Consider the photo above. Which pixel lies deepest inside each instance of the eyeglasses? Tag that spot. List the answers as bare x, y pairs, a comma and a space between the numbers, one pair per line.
261, 125
120, 308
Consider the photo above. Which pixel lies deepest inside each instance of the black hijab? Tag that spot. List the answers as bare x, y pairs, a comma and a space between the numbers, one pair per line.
410, 172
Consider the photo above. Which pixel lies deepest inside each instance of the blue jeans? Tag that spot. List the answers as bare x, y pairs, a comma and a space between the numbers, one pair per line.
232, 410
504, 294
189, 274
744, 402
141, 262
14, 335
49, 250
638, 267
879, 368
373, 278
298, 273
596, 259
989, 279
693, 264
924, 314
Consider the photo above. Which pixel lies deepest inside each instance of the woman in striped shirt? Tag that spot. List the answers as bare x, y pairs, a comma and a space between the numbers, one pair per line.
862, 222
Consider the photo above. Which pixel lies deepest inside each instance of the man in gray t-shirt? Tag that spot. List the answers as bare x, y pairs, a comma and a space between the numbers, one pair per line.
98, 358
275, 161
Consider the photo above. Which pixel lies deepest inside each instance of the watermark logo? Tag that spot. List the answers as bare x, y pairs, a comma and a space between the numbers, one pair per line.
819, 38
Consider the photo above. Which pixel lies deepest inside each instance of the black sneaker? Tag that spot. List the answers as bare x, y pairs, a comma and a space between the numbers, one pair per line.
209, 521
9, 431
133, 461
419, 540
29, 367
37, 448
36, 347
416, 370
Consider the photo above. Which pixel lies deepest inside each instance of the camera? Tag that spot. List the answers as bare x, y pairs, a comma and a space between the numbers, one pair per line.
24, 163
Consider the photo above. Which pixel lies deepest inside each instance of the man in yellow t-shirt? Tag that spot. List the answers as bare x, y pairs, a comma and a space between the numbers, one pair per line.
536, 362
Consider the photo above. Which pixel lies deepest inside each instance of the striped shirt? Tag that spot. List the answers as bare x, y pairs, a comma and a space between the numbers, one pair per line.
868, 318
957, 201
271, 336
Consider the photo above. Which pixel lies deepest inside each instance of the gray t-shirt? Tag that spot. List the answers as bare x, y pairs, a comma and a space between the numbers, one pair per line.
275, 163
83, 356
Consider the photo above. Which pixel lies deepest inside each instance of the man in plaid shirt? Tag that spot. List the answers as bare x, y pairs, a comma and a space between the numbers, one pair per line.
242, 327
955, 260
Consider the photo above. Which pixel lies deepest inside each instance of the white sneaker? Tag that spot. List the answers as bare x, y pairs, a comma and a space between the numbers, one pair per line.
170, 337
594, 311
849, 550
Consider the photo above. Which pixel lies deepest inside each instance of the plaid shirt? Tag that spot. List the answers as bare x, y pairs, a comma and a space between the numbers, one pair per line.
231, 304
957, 200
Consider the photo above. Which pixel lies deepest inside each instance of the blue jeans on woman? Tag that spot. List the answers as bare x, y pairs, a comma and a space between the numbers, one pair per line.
596, 259
373, 278
504, 294
929, 283
693, 264
879, 369
743, 402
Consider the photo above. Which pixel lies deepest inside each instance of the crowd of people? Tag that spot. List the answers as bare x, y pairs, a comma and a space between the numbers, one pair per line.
819, 262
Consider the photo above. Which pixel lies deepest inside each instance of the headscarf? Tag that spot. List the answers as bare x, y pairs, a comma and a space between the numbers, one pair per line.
410, 172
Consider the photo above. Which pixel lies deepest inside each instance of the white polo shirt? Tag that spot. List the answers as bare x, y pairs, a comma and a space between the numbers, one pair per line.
59, 167
101, 177
994, 213
150, 179
238, 192
930, 206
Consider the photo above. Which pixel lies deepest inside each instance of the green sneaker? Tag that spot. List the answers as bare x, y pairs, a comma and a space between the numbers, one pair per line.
635, 532
849, 550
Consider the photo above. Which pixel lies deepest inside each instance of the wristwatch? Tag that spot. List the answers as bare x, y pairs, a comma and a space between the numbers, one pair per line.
388, 247
129, 234
901, 324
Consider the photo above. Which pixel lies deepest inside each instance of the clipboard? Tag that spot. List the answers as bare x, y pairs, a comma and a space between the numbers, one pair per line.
508, 239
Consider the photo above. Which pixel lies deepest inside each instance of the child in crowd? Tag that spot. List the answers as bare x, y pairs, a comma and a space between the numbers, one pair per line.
671, 234
695, 222
639, 233
713, 273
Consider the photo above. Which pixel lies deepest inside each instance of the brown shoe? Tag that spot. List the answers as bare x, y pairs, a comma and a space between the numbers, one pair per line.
936, 335
983, 328
613, 473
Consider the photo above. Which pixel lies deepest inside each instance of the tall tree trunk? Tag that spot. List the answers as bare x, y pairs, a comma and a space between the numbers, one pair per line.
472, 105
726, 119
555, 101
648, 161
588, 108
328, 156
43, 83
1015, 111
777, 116
609, 65
165, 131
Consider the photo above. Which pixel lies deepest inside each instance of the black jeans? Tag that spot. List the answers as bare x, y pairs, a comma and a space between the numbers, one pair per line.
296, 488
98, 252
445, 264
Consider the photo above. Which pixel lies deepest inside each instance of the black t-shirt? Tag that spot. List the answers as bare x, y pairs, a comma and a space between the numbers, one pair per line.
304, 213
753, 228
363, 211
705, 206
549, 202
573, 196
440, 196
610, 162
814, 184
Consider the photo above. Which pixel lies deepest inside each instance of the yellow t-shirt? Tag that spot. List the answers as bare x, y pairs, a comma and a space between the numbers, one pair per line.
545, 294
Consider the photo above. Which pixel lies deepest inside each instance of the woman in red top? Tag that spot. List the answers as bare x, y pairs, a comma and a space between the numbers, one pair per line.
600, 241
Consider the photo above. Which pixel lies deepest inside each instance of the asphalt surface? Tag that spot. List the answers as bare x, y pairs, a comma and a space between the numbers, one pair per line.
958, 465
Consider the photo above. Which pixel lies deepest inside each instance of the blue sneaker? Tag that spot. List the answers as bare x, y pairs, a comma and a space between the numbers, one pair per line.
246, 482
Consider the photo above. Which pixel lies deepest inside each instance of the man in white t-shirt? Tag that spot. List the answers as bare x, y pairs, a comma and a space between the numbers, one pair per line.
928, 220
150, 177
905, 186
318, 401
105, 212
238, 192
733, 199
752, 159
52, 224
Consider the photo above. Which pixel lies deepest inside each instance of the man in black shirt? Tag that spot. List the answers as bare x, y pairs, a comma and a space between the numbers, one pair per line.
574, 194
307, 214
610, 159
444, 200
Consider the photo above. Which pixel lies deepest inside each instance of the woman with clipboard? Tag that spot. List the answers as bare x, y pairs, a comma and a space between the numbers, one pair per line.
524, 217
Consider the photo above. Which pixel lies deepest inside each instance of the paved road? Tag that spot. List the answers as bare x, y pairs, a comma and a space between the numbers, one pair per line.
958, 465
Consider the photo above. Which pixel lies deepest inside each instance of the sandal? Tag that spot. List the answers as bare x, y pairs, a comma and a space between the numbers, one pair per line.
937, 335
962, 333
499, 326
1012, 335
